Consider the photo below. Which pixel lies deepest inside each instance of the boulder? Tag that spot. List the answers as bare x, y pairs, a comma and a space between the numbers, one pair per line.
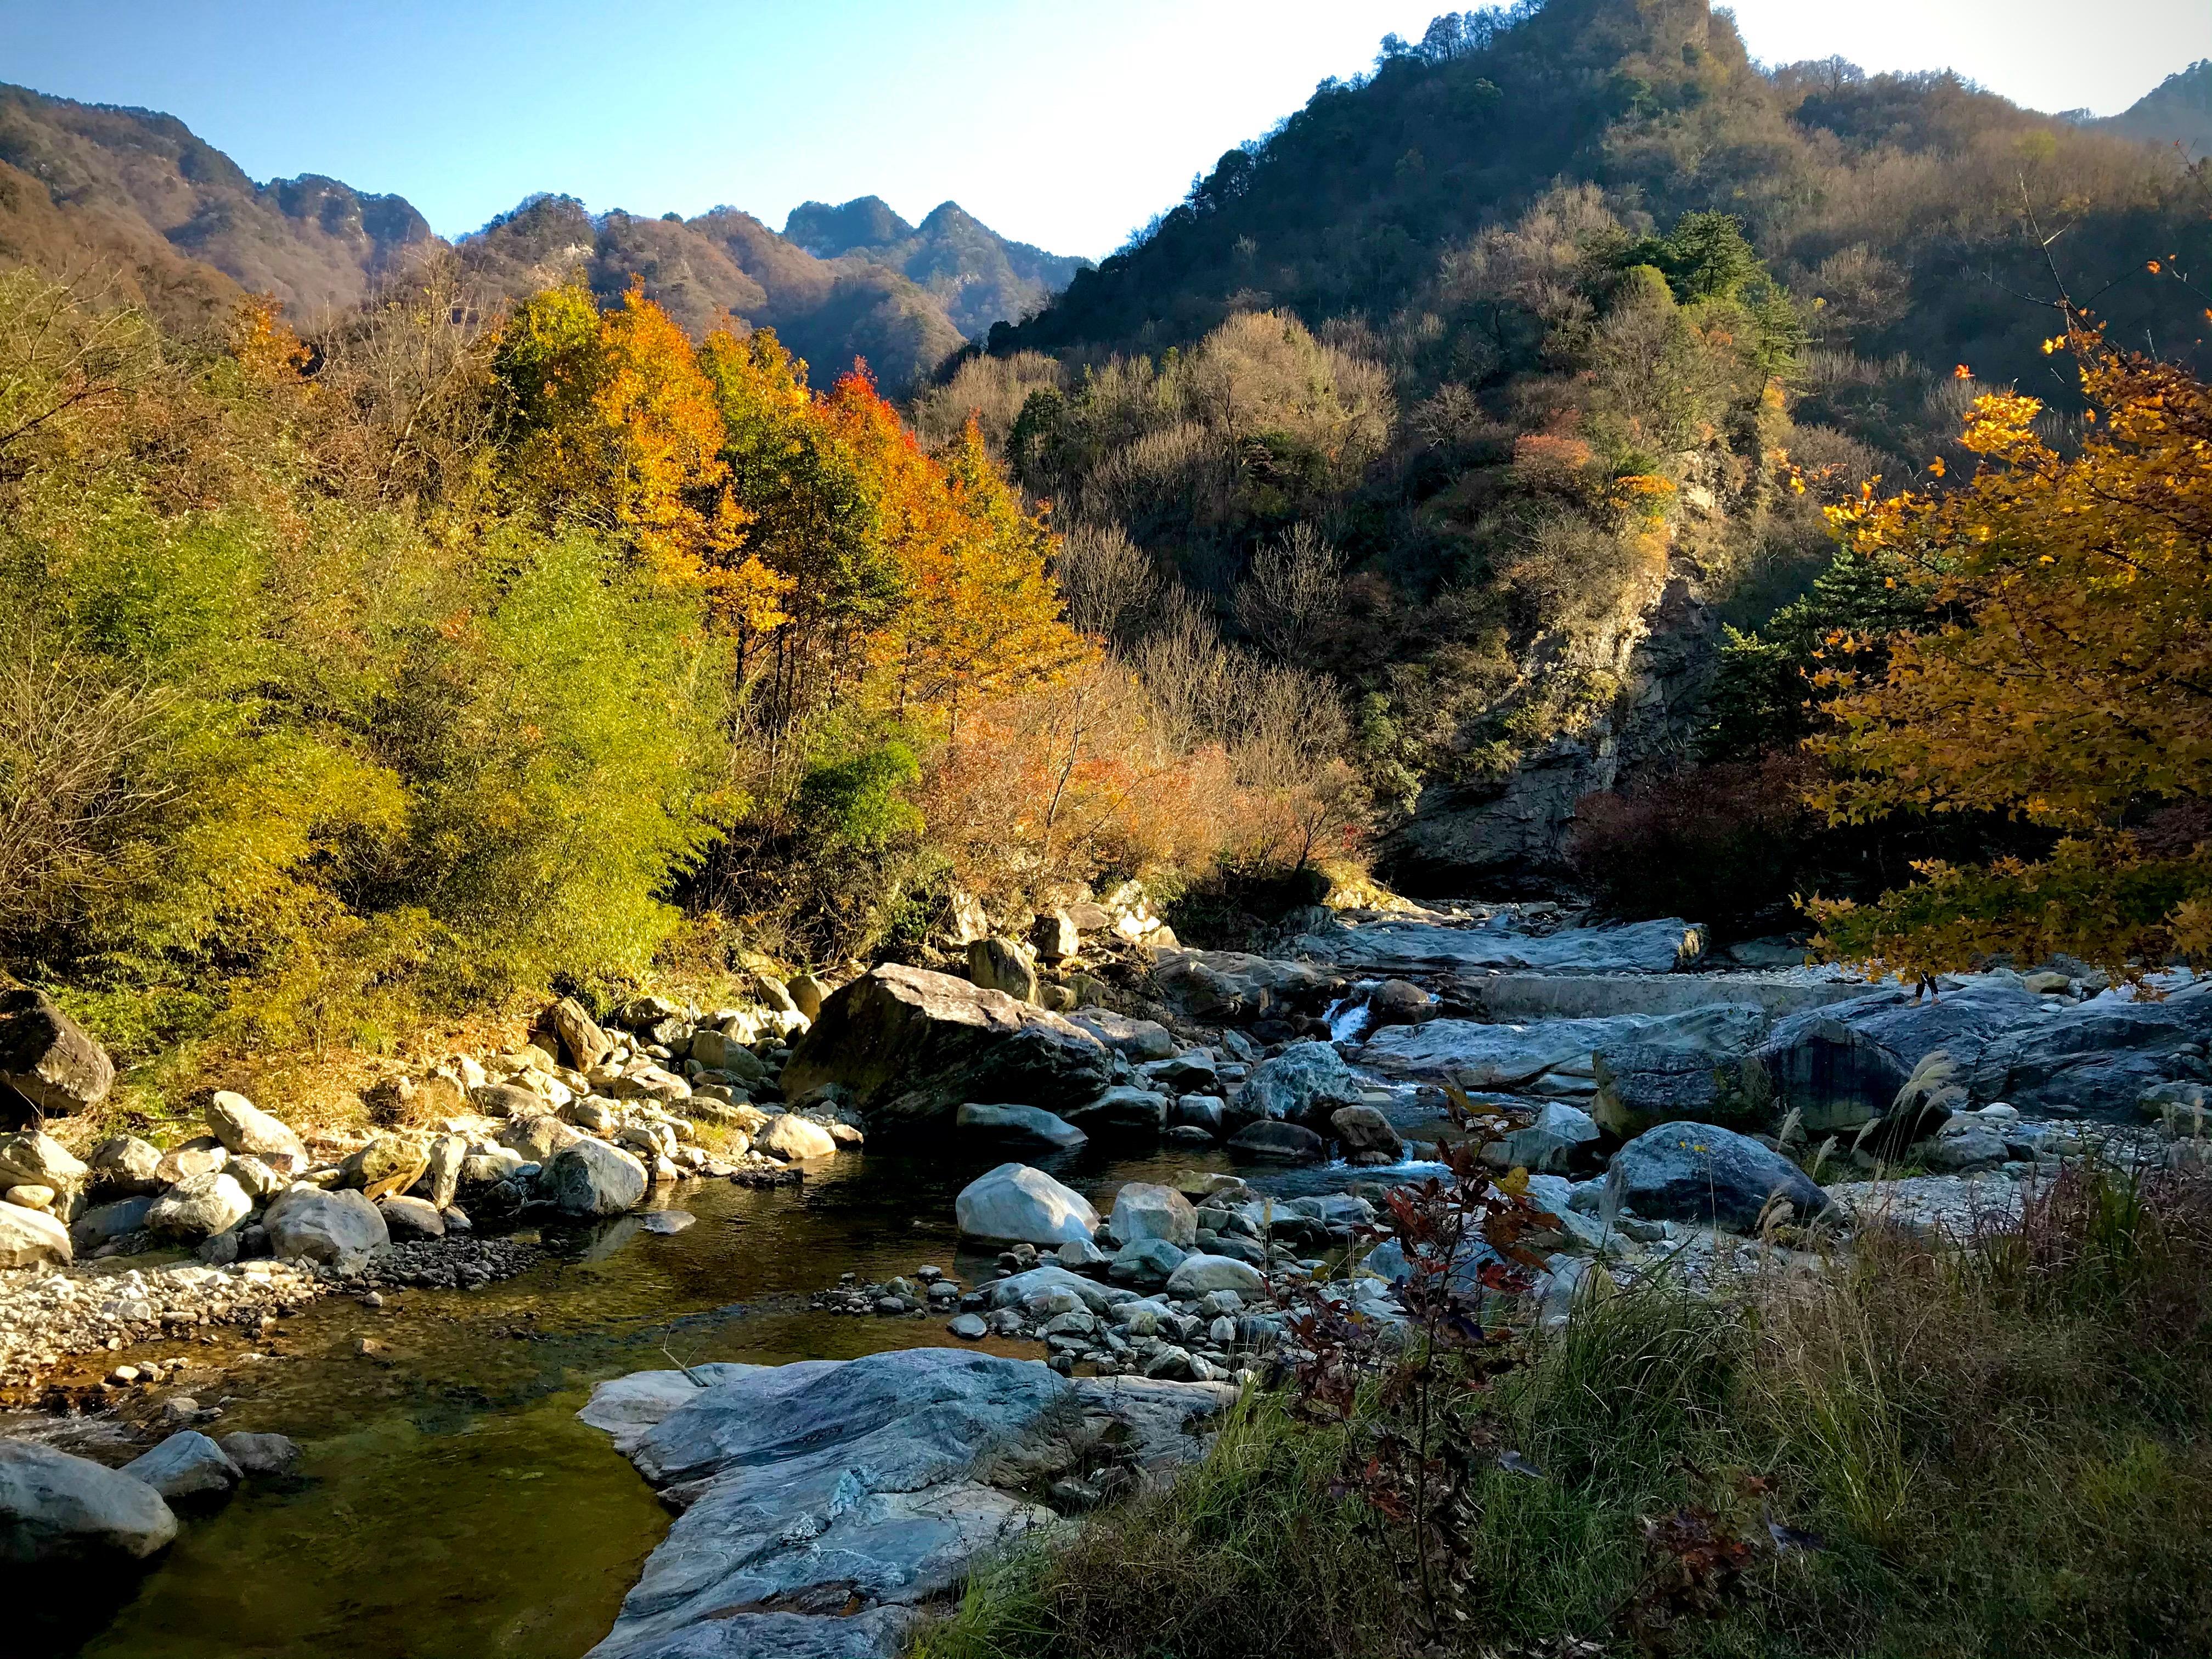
794, 1138
2094, 1058
307, 1224
536, 1139
125, 1166
1122, 1111
1208, 1113
105, 1221
914, 1046
507, 1100
1560, 1136
1278, 1143
649, 1083
56, 1506
33, 1160
390, 1164
1051, 1283
1138, 1039
1552, 1056
31, 1238
441, 1171
1968, 1141
997, 963
263, 1455
1183, 1074
201, 1155
1196, 1275
199, 1207
1147, 1261
1841, 1067
1016, 1204
1143, 1210
49, 1058
588, 1177
1399, 1002
411, 1218
1232, 988
582, 1042
1702, 1173
1366, 1135
1643, 1085
186, 1465
1030, 1125
1054, 937
245, 1129
807, 994
255, 1178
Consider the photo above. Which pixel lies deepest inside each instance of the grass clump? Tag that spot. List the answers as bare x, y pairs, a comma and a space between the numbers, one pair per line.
1991, 1449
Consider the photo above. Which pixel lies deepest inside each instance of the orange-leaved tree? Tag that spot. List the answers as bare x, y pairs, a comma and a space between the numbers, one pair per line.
611, 421
2069, 683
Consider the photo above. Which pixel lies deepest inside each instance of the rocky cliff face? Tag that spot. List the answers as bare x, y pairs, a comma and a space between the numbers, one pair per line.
1509, 836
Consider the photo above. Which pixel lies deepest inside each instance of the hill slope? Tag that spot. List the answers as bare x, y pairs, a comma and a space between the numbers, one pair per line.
180, 224
2177, 111
1475, 348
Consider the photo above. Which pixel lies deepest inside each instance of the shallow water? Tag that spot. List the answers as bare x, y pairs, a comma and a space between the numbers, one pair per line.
450, 1506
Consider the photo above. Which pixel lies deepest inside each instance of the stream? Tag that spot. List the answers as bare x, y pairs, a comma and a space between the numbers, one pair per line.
449, 1505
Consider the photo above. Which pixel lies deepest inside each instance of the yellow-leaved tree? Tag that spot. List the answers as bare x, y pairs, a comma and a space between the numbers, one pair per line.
2069, 684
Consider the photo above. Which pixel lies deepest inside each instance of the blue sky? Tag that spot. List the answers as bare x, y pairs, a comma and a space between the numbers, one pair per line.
1065, 125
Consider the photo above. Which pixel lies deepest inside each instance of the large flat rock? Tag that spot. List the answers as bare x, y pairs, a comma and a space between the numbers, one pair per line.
1553, 1056
825, 1499
1643, 947
2094, 1059
1776, 994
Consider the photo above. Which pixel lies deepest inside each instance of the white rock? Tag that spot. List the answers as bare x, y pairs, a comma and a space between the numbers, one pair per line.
795, 1139
29, 1237
244, 1127
319, 1226
1020, 1204
199, 1207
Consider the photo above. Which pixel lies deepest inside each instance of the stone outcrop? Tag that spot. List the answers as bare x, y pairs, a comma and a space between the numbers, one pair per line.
827, 1500
2094, 1058
914, 1046
1841, 1065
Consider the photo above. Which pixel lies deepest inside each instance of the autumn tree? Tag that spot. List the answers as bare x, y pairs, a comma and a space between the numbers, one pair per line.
2069, 684
612, 421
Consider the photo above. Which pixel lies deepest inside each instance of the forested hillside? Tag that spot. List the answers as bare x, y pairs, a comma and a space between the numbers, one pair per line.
173, 222
1521, 369
2177, 111
173, 225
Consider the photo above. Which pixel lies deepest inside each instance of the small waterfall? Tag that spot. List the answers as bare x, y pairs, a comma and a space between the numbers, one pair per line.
1348, 1019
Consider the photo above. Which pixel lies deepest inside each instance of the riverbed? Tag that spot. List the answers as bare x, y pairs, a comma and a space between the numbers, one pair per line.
449, 1505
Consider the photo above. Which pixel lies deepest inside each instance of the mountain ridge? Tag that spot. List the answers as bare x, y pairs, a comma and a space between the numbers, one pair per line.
176, 226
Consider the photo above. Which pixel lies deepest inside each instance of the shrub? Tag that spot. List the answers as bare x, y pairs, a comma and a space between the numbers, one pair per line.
1728, 844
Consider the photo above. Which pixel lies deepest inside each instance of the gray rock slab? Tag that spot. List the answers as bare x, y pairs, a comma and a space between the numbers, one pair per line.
54, 1505
1558, 1053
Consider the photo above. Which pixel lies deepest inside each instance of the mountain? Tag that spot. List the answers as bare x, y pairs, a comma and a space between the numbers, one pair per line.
177, 223
1350, 204
978, 276
829, 312
1536, 353
2177, 111
134, 198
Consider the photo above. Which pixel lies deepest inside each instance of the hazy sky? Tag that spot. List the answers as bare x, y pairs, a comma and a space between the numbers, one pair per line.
1065, 125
